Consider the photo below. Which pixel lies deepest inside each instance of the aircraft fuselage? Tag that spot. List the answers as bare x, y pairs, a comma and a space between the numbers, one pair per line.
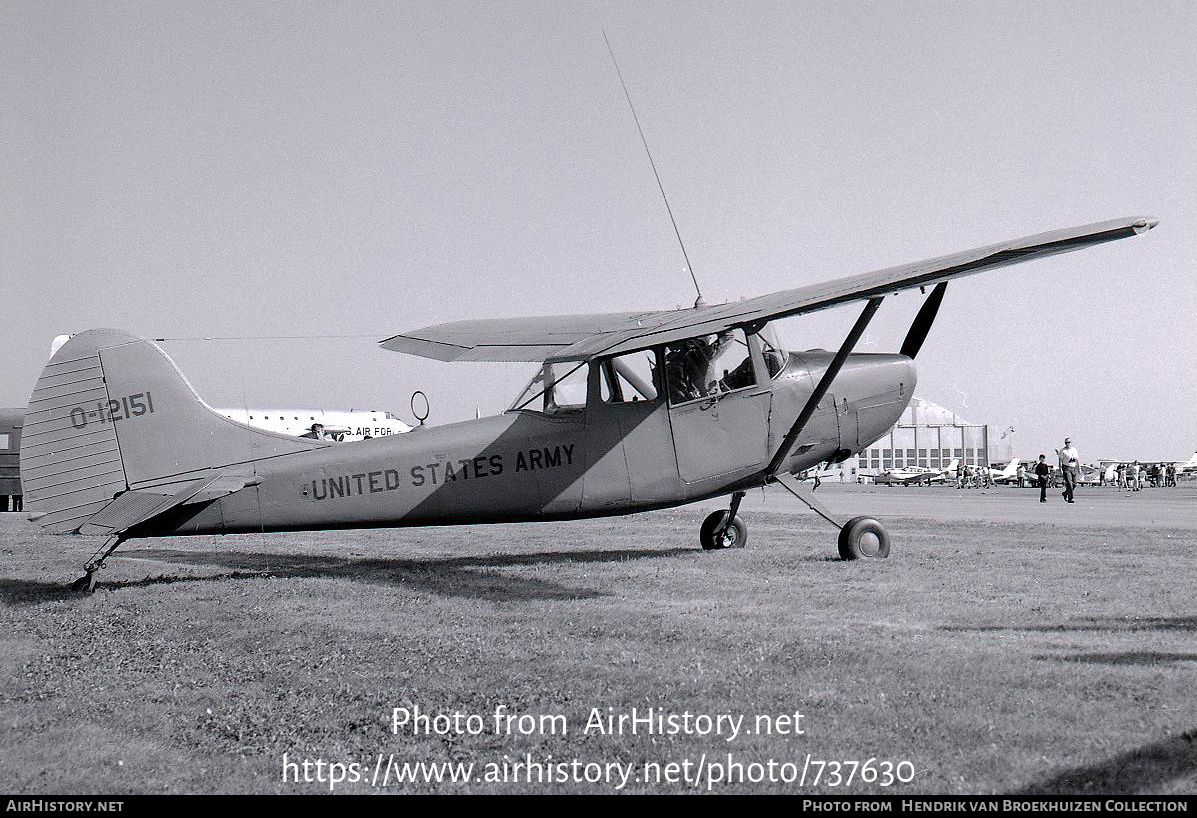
605, 459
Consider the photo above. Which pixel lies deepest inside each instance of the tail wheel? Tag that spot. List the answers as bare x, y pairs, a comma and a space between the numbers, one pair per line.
734, 536
863, 537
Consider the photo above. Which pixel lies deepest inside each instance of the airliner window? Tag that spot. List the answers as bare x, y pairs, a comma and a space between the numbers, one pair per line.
555, 389
708, 365
630, 378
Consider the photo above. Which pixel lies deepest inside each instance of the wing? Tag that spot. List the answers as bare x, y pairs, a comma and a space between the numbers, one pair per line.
514, 339
562, 338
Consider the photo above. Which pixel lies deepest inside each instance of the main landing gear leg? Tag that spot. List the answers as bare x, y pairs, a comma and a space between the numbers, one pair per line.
859, 537
87, 582
724, 529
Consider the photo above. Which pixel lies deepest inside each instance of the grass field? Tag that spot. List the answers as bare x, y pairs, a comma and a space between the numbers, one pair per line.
1005, 647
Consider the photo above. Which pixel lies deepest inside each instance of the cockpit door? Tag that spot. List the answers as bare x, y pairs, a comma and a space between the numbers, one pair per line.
718, 405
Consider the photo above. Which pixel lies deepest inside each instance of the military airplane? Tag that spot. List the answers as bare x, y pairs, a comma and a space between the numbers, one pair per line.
627, 412
342, 425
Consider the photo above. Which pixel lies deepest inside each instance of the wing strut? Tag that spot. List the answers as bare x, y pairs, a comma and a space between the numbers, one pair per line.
833, 369
923, 321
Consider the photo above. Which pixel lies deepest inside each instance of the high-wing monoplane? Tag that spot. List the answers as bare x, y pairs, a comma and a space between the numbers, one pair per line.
626, 412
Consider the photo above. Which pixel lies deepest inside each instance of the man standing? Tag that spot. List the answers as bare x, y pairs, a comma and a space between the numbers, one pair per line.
1041, 472
1070, 463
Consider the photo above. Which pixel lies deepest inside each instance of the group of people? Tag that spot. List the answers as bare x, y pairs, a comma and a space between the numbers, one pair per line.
969, 476
1130, 476
1136, 477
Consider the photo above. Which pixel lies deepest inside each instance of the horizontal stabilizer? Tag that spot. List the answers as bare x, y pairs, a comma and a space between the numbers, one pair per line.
126, 511
132, 508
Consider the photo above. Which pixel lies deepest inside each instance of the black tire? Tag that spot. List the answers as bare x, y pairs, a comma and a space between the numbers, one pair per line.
736, 535
863, 537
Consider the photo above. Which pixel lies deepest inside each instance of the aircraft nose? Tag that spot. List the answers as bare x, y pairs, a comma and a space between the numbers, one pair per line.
1145, 224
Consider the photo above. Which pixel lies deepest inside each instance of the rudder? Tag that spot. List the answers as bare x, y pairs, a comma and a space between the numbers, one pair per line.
111, 413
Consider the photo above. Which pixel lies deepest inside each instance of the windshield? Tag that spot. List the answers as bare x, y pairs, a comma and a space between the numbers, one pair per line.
554, 389
771, 348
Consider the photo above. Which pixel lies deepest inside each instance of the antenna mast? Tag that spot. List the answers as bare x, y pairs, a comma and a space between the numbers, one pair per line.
699, 302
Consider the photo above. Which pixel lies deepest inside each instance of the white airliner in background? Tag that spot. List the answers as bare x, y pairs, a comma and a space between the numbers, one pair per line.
343, 425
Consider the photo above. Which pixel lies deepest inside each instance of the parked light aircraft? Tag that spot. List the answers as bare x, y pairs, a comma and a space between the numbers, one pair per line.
1103, 474
627, 412
1009, 474
340, 425
1187, 466
915, 476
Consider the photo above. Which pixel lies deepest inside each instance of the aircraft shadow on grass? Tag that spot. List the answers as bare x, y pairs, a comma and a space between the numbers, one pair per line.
1135, 657
1106, 623
1103, 624
1146, 769
452, 576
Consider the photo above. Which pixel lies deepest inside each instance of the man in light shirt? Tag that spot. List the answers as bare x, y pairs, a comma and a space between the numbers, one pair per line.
1070, 464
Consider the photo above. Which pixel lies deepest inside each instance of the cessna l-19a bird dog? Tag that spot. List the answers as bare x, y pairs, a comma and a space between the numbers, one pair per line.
627, 412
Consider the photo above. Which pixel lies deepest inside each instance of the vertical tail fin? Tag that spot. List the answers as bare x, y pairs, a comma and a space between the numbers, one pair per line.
111, 413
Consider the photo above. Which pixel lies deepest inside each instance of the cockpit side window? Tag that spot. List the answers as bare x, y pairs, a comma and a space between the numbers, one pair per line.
558, 388
708, 365
630, 378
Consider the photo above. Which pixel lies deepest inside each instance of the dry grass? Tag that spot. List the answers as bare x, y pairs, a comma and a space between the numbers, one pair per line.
1005, 647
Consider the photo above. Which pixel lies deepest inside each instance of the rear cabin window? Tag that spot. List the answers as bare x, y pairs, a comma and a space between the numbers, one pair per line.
708, 365
630, 378
4, 441
558, 388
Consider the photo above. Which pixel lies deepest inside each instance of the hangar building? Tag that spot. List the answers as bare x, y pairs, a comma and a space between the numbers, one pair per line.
930, 436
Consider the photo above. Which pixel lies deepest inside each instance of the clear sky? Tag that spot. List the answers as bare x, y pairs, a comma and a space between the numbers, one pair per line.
356, 169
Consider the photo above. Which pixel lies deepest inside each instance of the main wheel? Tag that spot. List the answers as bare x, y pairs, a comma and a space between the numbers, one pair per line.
863, 537
734, 536
85, 584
